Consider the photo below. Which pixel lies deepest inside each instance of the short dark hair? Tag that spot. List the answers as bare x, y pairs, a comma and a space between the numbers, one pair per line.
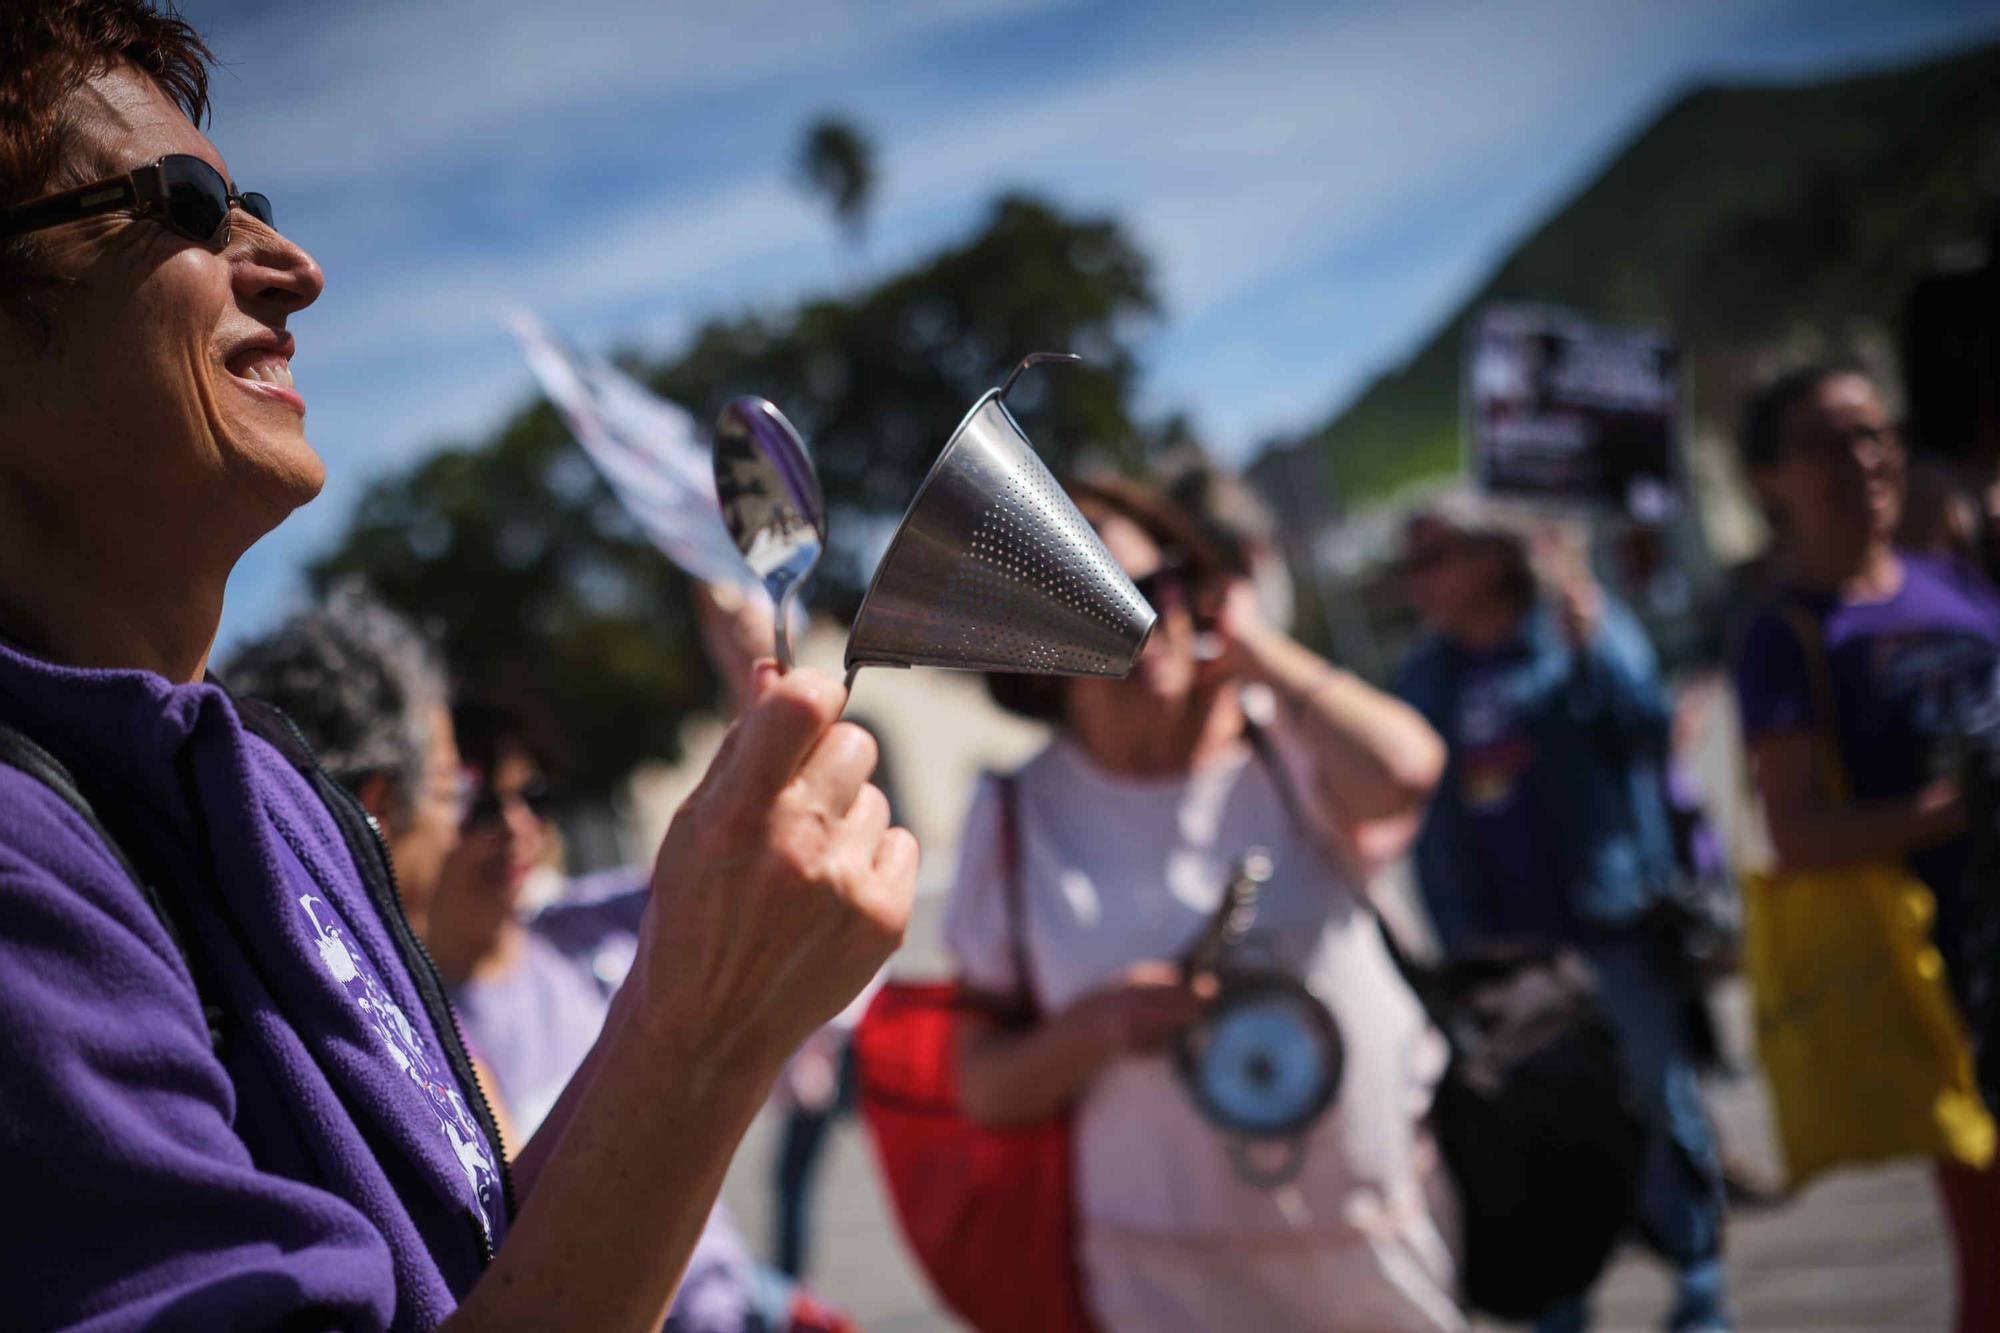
1233, 519
47, 49
490, 728
360, 681
1762, 438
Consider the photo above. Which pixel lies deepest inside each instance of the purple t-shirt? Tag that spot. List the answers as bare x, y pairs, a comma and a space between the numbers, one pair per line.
1494, 749
1904, 670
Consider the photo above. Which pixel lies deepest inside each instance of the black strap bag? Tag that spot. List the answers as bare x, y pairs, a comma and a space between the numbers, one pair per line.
1537, 1122
1535, 1115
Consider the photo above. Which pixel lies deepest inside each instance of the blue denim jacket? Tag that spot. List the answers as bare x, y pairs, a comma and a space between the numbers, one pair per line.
1599, 718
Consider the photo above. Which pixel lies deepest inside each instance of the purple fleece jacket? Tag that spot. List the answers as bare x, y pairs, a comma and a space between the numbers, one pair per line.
324, 1171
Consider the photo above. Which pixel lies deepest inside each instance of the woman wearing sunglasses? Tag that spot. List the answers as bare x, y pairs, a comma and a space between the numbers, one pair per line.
531, 1003
1122, 834
229, 1094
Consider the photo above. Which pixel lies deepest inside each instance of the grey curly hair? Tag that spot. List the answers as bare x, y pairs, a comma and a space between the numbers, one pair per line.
361, 681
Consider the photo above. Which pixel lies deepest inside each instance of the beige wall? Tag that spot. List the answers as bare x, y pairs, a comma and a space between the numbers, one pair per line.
938, 730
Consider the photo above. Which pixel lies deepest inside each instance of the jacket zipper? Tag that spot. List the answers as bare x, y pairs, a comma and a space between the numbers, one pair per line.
429, 985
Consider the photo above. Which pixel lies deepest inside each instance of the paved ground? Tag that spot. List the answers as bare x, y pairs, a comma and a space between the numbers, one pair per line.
1862, 1251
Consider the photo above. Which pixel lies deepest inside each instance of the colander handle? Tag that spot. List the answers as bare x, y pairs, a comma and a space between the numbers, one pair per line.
1234, 914
1037, 359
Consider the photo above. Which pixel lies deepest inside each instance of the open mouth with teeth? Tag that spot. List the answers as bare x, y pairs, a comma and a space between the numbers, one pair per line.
265, 368
268, 373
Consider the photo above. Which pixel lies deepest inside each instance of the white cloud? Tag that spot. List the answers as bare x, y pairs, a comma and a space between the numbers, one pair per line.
1231, 161
1252, 153
385, 86
647, 249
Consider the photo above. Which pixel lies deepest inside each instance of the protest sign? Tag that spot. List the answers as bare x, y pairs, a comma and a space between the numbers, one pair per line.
1565, 413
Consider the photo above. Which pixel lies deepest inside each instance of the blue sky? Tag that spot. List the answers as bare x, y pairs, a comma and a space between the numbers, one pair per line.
1318, 184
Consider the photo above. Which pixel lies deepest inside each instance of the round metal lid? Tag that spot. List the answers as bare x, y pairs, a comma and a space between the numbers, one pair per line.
1267, 1059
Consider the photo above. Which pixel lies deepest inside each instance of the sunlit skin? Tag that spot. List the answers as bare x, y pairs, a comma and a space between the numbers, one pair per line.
500, 855
475, 928
138, 458
1456, 585
1459, 584
1156, 720
420, 833
1838, 483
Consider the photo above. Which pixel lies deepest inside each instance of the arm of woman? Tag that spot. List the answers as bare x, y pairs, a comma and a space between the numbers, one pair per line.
779, 891
1787, 733
1615, 676
1376, 757
1009, 1076
615, 1205
1808, 832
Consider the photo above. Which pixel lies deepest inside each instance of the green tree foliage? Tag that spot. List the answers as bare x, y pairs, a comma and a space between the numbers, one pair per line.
877, 382
836, 162
1741, 218
549, 597
552, 598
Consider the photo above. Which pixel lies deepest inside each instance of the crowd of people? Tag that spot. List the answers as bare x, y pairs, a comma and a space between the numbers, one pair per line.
285, 1046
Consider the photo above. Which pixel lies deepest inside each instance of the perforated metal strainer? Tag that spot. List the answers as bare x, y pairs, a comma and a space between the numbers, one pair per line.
993, 568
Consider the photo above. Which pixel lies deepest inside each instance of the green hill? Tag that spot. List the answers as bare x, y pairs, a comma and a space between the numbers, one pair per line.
1741, 219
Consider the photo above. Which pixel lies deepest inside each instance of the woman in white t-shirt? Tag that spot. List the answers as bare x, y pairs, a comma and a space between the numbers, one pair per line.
1127, 826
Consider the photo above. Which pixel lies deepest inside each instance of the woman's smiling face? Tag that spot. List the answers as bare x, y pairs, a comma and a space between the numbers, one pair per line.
158, 381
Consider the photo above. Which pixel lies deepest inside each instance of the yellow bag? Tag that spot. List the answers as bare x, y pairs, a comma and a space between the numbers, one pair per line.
1860, 1039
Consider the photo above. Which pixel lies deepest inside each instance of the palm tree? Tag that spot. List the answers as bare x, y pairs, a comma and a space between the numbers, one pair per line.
836, 162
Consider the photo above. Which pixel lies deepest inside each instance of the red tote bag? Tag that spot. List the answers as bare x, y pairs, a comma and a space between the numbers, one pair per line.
987, 1211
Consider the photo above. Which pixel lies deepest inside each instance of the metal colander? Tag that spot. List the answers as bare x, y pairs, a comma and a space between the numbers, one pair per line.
993, 568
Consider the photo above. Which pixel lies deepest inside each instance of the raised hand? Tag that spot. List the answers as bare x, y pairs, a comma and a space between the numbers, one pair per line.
735, 632
781, 887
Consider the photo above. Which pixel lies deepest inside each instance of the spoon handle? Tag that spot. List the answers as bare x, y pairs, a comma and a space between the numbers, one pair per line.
782, 625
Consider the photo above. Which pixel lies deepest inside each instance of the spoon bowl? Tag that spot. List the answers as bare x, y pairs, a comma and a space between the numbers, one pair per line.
771, 503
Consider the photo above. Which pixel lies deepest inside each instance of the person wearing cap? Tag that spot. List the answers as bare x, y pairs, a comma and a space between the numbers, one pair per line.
1551, 825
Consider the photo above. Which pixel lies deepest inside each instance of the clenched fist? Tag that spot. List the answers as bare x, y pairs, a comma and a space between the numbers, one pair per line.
780, 888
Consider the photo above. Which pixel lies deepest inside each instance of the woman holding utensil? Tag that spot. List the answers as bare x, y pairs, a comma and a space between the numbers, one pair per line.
1126, 827
234, 1096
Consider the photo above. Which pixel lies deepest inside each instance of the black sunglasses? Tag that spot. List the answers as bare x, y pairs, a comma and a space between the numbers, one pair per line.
1834, 443
1169, 576
179, 190
488, 808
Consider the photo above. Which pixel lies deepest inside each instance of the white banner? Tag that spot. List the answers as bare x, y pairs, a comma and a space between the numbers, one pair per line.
652, 453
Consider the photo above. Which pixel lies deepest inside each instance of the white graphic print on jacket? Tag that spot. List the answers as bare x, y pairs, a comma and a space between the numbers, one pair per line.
392, 1028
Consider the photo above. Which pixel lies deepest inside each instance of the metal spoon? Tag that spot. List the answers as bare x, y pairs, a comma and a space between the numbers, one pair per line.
771, 503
